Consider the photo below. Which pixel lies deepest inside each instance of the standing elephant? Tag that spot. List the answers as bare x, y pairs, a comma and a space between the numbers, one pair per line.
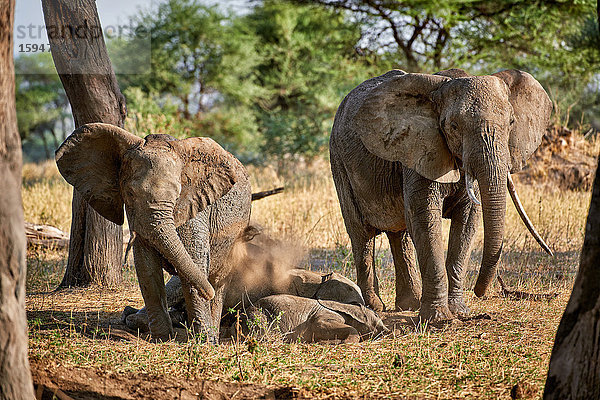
406, 150
186, 200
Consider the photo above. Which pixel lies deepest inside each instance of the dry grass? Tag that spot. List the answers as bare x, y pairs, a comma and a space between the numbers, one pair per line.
477, 359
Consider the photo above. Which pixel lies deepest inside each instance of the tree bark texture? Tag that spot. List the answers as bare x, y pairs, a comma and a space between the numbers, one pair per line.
574, 371
82, 62
15, 376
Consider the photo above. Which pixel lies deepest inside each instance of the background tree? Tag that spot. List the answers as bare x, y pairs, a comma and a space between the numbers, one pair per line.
81, 59
203, 63
308, 64
483, 36
42, 105
265, 82
15, 376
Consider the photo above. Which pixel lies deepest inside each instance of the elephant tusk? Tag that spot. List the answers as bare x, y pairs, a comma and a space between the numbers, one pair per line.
523, 215
469, 185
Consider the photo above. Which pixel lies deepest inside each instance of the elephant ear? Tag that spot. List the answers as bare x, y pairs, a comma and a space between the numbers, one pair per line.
90, 159
208, 173
353, 313
532, 108
397, 121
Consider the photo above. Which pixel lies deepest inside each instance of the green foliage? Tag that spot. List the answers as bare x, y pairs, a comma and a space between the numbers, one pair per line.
198, 55
150, 113
40, 97
309, 64
556, 41
267, 82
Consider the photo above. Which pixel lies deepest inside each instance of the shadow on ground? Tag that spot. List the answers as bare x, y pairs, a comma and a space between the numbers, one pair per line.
85, 383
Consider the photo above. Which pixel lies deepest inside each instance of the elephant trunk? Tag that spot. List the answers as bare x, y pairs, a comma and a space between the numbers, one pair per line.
163, 236
492, 187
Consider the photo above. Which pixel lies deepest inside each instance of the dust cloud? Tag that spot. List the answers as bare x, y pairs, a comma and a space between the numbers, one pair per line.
261, 266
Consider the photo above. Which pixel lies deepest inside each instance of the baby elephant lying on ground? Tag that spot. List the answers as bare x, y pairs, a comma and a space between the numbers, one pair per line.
264, 271
314, 320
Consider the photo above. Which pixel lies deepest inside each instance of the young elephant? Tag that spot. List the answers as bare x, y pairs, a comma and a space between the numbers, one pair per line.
260, 269
405, 152
186, 200
313, 320
299, 282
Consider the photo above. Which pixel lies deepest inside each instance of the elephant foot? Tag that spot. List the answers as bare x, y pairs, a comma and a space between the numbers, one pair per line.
407, 302
163, 338
351, 339
458, 307
435, 314
127, 312
178, 317
204, 334
137, 321
373, 301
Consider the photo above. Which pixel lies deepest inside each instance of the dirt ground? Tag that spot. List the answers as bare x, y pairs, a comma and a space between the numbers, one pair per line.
97, 318
80, 350
564, 160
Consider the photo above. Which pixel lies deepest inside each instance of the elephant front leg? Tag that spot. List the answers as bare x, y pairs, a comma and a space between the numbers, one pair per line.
423, 203
148, 267
408, 277
199, 313
195, 236
465, 220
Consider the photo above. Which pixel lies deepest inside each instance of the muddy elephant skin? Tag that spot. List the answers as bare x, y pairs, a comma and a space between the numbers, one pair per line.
407, 150
186, 200
262, 267
314, 320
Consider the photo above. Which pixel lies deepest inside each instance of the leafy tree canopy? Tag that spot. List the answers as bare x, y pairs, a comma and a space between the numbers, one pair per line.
268, 80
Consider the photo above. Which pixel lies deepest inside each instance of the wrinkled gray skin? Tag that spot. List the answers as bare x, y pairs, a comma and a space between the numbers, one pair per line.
186, 200
299, 282
259, 272
401, 147
313, 320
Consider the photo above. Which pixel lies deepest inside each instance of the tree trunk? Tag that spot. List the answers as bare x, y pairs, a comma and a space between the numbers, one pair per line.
81, 59
15, 376
574, 370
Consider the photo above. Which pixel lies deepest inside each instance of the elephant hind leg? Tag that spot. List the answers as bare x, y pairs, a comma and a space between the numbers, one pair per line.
408, 277
363, 249
362, 236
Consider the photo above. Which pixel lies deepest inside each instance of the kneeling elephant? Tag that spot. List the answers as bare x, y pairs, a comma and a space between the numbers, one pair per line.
187, 201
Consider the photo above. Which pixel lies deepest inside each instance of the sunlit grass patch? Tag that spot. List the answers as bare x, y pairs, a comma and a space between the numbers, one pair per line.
482, 358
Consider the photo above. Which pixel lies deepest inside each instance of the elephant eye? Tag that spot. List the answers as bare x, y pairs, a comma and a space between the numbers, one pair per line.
129, 193
453, 125
512, 120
